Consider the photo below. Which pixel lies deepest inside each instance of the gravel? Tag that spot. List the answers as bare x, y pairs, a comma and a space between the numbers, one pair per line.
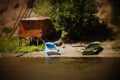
70, 50
74, 50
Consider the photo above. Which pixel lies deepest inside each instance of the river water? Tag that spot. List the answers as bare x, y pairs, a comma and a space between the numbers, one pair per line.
85, 68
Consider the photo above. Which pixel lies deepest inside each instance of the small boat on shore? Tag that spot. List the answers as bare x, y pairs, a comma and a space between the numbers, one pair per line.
92, 49
51, 49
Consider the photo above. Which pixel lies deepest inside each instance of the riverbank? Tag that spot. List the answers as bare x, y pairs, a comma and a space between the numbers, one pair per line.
71, 50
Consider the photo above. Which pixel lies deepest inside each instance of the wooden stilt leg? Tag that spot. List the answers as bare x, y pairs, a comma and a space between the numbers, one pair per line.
29, 42
37, 41
20, 41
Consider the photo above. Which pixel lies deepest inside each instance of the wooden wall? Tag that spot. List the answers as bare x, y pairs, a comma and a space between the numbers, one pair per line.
36, 28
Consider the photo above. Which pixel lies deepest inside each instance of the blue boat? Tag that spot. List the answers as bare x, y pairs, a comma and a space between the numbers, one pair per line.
51, 49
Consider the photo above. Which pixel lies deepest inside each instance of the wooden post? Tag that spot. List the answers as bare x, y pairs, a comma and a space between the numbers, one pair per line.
20, 41
37, 41
29, 41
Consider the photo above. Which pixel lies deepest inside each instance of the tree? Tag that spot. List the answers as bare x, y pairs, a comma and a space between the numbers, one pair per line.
75, 16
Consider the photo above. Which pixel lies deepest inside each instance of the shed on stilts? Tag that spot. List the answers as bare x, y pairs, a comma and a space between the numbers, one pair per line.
35, 29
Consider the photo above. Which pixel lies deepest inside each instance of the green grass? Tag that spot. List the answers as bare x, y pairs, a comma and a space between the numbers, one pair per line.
8, 45
27, 49
11, 46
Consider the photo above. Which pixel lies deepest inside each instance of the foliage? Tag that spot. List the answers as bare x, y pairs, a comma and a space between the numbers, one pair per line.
30, 3
11, 46
8, 45
33, 48
77, 18
6, 30
42, 8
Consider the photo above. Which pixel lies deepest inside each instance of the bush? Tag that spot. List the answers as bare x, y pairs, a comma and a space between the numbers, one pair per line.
77, 18
6, 30
27, 49
8, 45
11, 46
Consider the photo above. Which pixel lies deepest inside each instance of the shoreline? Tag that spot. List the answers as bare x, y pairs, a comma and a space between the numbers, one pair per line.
70, 50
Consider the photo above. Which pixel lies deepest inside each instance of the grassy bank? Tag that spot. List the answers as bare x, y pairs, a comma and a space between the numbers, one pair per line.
11, 46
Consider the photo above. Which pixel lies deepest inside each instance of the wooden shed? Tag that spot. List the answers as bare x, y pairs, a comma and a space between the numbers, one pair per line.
36, 28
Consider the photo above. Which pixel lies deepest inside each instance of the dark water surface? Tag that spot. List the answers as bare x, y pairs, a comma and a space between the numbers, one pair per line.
60, 68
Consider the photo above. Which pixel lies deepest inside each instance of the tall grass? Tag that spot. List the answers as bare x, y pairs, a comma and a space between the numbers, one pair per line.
11, 46
27, 49
8, 45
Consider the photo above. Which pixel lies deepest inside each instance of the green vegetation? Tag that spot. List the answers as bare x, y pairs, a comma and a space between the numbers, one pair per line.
42, 8
6, 30
11, 46
75, 17
33, 48
8, 45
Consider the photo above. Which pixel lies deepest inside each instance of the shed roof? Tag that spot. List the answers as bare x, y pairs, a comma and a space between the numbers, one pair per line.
36, 18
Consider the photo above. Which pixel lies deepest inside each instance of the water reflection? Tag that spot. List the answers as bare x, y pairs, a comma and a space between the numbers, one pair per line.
59, 68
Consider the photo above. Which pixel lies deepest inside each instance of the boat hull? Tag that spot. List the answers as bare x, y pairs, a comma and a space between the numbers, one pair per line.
51, 49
